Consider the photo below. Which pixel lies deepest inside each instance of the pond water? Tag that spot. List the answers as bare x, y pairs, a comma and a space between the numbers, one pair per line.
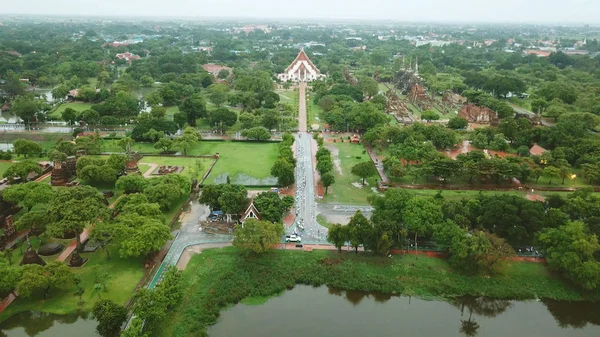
30, 324
308, 311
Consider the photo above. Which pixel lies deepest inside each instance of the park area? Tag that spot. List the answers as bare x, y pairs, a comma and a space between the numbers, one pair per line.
77, 106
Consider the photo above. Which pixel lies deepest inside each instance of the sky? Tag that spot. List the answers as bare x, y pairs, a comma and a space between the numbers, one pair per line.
492, 11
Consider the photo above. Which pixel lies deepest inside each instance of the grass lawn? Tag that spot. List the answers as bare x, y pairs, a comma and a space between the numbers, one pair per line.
77, 106
187, 163
343, 191
172, 110
245, 163
123, 276
218, 278
288, 96
143, 168
111, 145
4, 165
314, 113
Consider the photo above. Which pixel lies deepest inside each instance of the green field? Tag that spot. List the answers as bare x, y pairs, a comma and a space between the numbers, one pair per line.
343, 191
4, 165
244, 163
77, 106
288, 96
219, 278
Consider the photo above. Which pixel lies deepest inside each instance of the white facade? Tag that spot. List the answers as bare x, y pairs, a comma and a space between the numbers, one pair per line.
301, 70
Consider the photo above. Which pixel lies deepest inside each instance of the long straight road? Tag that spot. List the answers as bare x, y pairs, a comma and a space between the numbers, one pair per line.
306, 223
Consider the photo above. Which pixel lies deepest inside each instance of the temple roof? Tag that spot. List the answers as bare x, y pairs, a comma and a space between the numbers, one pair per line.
302, 57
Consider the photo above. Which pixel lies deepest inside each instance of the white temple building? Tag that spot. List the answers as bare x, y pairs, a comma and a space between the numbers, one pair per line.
301, 70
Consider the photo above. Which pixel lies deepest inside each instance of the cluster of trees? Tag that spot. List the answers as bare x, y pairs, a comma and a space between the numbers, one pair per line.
324, 164
230, 198
480, 233
256, 236
151, 307
163, 190
344, 109
285, 165
98, 171
271, 207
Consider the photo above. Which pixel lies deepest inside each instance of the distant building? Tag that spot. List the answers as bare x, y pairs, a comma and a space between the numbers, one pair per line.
538, 53
127, 56
536, 150
301, 70
215, 69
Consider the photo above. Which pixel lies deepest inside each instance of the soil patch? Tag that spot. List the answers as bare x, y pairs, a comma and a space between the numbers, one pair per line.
337, 164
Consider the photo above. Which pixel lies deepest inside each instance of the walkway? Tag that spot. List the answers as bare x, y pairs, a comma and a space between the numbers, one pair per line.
43, 176
148, 173
378, 164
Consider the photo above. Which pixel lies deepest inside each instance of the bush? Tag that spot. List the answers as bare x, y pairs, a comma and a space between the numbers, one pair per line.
6, 155
358, 157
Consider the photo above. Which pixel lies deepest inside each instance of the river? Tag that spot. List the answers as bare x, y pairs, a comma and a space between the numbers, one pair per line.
308, 311
30, 324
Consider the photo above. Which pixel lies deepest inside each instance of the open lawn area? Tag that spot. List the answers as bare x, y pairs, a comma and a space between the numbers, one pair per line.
123, 276
219, 278
244, 162
347, 189
77, 106
4, 165
112, 145
288, 96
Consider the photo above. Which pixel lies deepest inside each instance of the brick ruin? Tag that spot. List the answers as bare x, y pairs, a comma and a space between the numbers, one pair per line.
451, 100
398, 108
478, 114
419, 97
63, 171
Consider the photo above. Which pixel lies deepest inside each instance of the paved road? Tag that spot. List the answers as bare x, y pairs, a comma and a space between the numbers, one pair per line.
305, 224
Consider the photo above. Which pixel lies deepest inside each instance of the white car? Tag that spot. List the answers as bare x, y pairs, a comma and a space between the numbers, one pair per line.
293, 238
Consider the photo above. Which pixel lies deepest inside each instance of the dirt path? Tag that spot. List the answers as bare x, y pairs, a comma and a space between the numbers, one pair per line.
43, 177
148, 173
335, 157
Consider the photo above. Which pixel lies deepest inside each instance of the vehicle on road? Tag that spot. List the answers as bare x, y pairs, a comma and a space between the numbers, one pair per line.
293, 238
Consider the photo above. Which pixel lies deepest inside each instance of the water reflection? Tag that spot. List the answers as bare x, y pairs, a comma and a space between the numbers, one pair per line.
574, 314
42, 324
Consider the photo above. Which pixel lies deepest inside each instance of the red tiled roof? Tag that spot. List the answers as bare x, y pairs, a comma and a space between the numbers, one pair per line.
537, 150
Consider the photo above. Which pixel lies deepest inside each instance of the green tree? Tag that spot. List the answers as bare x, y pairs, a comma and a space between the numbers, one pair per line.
164, 144
551, 172
22, 169
271, 207
73, 209
28, 194
135, 329
284, 172
154, 135
256, 236
158, 112
430, 115
26, 147
223, 74
359, 231
364, 170
337, 236
420, 216
70, 115
327, 180
110, 317
257, 133
193, 107
125, 143
26, 108
368, 86
37, 278
148, 238
458, 123
133, 183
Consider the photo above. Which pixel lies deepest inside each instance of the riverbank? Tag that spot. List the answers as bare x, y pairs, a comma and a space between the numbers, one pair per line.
221, 277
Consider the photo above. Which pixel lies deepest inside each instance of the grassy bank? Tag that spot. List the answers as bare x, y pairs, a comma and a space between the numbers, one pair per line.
221, 277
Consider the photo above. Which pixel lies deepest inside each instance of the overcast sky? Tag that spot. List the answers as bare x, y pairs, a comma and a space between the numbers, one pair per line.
518, 11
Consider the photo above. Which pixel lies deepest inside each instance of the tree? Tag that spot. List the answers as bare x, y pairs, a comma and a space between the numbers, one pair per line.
570, 249
420, 215
9, 278
368, 86
257, 133
154, 135
22, 169
185, 142
222, 116
223, 74
457, 123
364, 170
551, 172
359, 231
430, 115
43, 278
165, 144
125, 143
70, 115
233, 198
256, 236
73, 209
284, 172
135, 329
90, 116
193, 107
149, 237
147, 81
28, 194
110, 317
327, 180
158, 112
26, 147
218, 93
271, 207
26, 108
133, 183
337, 236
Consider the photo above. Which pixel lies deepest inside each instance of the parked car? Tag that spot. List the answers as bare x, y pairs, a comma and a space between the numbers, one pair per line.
293, 238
